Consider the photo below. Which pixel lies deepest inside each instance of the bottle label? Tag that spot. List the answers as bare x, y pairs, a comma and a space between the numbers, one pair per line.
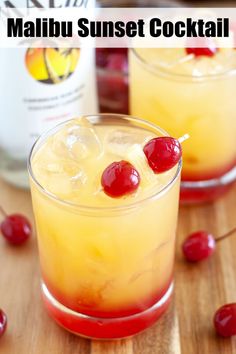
41, 87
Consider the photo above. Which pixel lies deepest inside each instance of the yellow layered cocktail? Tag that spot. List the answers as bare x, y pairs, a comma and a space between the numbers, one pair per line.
186, 92
107, 263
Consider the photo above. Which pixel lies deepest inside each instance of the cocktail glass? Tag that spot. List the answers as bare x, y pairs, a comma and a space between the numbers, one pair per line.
201, 105
107, 268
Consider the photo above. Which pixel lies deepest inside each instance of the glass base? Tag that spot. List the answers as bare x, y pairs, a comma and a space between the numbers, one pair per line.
104, 328
208, 190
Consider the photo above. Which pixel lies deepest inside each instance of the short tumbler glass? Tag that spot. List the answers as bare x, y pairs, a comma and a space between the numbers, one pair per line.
106, 272
202, 106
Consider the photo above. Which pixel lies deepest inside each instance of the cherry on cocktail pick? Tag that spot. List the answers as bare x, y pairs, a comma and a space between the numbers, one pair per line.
119, 179
164, 152
201, 244
15, 228
206, 47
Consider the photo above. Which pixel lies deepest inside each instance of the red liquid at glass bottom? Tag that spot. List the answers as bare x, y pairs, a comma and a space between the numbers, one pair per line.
207, 188
109, 327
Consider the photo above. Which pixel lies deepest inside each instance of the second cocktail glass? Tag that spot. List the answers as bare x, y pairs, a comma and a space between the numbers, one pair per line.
191, 94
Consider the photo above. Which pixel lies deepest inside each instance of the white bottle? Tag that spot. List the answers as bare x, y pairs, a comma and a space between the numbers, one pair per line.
40, 88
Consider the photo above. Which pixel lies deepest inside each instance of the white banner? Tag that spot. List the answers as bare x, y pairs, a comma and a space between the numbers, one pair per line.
80, 26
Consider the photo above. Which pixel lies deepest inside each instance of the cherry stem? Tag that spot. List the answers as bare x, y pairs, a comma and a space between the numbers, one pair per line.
183, 138
226, 235
2, 211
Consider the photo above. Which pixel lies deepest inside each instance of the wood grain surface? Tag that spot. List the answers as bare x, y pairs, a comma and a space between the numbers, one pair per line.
185, 329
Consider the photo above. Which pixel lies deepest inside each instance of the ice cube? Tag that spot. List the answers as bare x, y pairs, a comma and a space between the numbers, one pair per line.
57, 145
118, 141
67, 182
53, 167
59, 185
46, 161
60, 176
79, 179
78, 140
82, 140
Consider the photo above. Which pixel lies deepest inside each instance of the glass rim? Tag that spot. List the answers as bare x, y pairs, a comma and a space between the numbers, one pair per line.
167, 75
90, 208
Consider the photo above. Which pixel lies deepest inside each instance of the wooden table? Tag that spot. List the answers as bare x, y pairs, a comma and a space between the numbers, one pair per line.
187, 326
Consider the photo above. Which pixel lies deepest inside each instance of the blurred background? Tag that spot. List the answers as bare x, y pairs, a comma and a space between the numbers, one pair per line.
112, 64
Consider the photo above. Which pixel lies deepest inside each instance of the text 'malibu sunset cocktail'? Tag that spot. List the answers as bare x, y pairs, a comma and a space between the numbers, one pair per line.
106, 223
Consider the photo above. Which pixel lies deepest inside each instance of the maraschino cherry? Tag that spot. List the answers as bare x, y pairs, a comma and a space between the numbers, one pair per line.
3, 322
119, 179
201, 244
205, 47
15, 228
162, 153
225, 320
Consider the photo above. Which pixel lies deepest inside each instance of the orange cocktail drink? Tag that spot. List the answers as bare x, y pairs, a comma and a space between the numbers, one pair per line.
191, 93
107, 263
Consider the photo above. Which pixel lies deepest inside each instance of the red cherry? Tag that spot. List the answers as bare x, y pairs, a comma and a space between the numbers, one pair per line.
16, 228
3, 322
120, 178
225, 320
205, 47
199, 245
162, 153
198, 52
